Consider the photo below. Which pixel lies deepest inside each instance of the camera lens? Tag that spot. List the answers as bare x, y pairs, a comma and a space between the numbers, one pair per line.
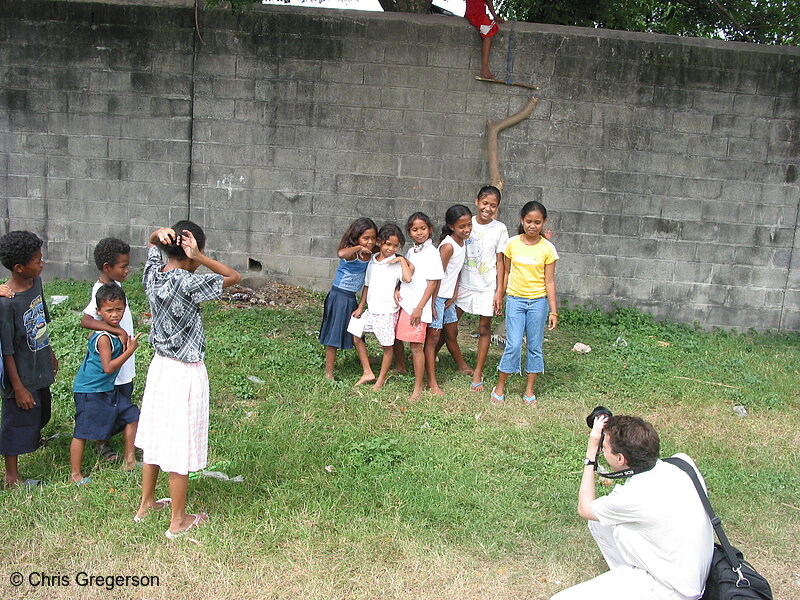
599, 411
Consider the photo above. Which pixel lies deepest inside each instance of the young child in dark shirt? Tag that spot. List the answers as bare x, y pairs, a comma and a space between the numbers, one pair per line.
29, 361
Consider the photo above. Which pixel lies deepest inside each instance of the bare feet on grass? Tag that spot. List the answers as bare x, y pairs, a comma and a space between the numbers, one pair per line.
465, 369
366, 378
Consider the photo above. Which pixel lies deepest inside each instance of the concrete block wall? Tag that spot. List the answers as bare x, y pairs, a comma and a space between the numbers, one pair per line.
669, 166
95, 124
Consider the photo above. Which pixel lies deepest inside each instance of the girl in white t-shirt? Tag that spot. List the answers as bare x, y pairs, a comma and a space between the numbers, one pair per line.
415, 297
480, 290
384, 271
458, 226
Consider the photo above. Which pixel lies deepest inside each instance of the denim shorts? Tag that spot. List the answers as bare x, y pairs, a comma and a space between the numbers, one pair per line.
528, 317
443, 315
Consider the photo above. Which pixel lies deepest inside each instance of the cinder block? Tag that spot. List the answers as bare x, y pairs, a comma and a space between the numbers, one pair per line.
546, 176
768, 277
29, 209
445, 56
692, 122
620, 181
633, 289
655, 270
215, 65
665, 293
746, 298
574, 112
670, 143
26, 164
426, 167
713, 102
207, 108
333, 116
15, 186
226, 87
300, 266
755, 105
690, 272
292, 245
673, 98
708, 145
751, 150
89, 146
731, 125
606, 203
598, 245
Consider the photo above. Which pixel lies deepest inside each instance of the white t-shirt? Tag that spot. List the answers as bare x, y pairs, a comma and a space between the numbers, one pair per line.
448, 285
128, 370
382, 280
427, 267
660, 526
481, 249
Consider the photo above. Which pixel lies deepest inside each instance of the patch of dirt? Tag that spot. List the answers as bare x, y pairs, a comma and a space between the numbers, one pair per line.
272, 293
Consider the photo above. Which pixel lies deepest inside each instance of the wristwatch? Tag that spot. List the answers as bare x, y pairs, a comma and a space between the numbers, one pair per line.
589, 462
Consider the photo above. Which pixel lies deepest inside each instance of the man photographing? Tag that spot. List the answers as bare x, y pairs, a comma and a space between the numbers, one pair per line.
652, 531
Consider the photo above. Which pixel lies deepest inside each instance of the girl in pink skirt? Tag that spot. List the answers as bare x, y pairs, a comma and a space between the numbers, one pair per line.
173, 426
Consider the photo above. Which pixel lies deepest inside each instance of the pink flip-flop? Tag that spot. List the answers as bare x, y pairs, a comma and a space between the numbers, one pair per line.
198, 519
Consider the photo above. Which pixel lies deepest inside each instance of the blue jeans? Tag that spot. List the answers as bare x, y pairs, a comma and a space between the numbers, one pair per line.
444, 316
528, 317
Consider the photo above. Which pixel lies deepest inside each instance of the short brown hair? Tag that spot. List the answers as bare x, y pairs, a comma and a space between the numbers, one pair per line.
635, 439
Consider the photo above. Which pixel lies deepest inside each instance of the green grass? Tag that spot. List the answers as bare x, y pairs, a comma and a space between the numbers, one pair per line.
443, 498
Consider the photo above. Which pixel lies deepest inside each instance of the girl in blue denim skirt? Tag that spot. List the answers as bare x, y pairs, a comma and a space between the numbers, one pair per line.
355, 252
530, 268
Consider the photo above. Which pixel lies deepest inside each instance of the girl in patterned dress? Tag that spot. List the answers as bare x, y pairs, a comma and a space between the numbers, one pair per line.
173, 426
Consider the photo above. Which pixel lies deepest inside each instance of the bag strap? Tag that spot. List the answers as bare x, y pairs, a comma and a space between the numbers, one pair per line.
716, 522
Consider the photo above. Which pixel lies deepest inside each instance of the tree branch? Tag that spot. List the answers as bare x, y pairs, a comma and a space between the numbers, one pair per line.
493, 129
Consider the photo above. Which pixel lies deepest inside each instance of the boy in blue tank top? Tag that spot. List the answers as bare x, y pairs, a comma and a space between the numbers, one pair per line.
99, 411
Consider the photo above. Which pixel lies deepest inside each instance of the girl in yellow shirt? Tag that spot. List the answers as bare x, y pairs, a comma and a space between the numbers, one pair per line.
530, 267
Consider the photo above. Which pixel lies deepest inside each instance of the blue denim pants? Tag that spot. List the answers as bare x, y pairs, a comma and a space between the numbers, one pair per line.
529, 317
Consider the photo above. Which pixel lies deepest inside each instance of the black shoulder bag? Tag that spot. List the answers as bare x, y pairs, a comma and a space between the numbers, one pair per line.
731, 576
